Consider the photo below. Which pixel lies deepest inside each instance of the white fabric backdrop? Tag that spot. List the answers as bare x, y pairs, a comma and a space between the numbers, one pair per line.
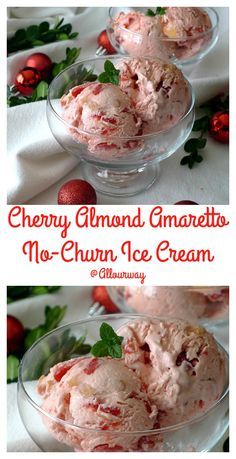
37, 166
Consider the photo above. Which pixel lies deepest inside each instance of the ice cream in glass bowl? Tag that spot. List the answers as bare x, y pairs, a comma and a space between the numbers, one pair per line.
182, 34
205, 305
121, 116
146, 384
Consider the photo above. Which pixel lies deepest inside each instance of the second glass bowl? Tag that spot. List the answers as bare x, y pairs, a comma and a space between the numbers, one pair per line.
114, 173
208, 306
184, 52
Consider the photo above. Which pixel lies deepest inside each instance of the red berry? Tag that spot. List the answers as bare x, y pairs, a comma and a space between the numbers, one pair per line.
41, 62
190, 203
76, 192
62, 370
15, 334
100, 295
91, 367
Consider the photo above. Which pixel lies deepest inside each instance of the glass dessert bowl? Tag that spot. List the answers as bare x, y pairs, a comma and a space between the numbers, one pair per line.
208, 306
121, 159
93, 380
167, 36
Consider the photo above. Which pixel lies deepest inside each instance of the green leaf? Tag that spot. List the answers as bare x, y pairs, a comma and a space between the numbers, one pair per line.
191, 145
115, 351
57, 68
20, 35
62, 37
66, 28
58, 23
41, 90
149, 12
107, 333
201, 143
33, 335
44, 27
83, 349
109, 67
37, 43
104, 78
12, 368
202, 124
54, 316
100, 349
184, 160
49, 36
73, 35
32, 32
160, 11
39, 290
199, 158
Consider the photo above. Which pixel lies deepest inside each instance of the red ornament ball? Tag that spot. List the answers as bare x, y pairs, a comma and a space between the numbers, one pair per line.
76, 192
219, 127
100, 294
26, 80
189, 203
15, 334
41, 62
104, 41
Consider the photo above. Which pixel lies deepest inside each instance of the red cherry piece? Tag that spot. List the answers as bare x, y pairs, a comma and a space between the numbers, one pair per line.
15, 334
104, 41
26, 80
111, 410
219, 127
100, 295
76, 192
78, 89
190, 203
106, 448
41, 62
61, 371
91, 367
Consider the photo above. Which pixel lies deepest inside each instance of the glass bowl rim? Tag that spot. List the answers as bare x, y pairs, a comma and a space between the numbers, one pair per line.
100, 318
193, 37
119, 138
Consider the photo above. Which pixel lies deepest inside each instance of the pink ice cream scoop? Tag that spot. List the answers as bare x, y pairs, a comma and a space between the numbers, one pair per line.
188, 27
158, 90
97, 393
181, 365
139, 35
101, 115
188, 303
166, 301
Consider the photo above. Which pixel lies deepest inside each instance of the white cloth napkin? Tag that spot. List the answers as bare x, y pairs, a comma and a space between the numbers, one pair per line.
31, 313
37, 165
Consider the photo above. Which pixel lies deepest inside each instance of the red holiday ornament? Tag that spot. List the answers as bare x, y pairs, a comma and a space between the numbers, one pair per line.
219, 127
15, 334
26, 80
77, 192
104, 41
100, 295
190, 203
40, 62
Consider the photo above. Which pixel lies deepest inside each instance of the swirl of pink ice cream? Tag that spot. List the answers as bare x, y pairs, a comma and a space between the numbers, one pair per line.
181, 364
158, 90
97, 393
106, 114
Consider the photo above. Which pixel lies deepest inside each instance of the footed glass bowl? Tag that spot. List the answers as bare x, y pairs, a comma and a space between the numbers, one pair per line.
182, 52
114, 171
54, 434
189, 303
